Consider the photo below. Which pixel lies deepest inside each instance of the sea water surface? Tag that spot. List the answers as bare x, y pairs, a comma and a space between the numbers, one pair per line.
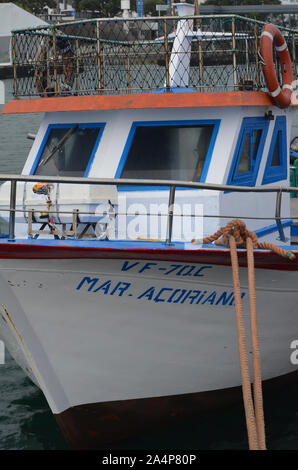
26, 421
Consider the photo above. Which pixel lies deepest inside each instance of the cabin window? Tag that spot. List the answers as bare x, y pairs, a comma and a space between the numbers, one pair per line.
169, 151
248, 153
276, 165
68, 150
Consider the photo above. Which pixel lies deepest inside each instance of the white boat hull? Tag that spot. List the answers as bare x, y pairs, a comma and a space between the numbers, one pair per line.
120, 330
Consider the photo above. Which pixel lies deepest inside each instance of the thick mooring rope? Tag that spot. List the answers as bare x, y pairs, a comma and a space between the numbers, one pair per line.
257, 379
246, 387
234, 235
238, 229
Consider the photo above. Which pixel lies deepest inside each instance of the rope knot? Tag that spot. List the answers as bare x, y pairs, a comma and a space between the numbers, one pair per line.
237, 229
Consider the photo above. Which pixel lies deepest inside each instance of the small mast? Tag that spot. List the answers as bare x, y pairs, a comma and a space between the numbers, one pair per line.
180, 57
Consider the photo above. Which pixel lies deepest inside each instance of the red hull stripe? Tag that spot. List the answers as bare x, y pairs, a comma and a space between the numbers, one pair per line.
221, 257
146, 101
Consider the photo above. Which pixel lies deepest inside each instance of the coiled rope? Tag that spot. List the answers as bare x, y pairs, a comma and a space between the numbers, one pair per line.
234, 235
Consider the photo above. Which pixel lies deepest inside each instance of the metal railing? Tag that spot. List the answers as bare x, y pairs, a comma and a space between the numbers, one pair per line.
172, 185
122, 56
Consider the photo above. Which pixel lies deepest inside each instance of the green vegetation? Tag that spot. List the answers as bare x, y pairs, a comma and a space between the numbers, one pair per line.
104, 7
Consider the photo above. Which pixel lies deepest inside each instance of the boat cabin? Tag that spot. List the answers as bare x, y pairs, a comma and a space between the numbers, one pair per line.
176, 100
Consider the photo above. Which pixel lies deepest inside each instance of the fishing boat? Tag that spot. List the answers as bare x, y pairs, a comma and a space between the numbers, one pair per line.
111, 298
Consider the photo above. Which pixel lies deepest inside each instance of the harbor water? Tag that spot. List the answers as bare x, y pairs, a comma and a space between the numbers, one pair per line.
26, 421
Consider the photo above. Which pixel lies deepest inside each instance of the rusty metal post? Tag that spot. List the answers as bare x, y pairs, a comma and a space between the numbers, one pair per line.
30, 219
200, 50
234, 54
99, 64
173, 13
55, 63
48, 63
14, 64
257, 57
197, 8
294, 56
128, 75
75, 217
103, 76
167, 59
77, 67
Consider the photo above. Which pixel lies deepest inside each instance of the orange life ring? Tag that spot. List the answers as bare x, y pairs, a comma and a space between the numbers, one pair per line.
271, 36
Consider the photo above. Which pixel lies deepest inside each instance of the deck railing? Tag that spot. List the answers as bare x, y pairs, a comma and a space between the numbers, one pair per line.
122, 56
172, 185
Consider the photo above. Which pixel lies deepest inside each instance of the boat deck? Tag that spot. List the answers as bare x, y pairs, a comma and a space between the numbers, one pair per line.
134, 245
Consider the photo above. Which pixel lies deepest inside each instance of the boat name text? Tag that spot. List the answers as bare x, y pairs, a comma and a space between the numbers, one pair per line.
176, 269
157, 294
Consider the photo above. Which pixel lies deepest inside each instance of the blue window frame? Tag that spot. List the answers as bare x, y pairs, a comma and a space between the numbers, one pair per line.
276, 168
166, 160
248, 153
84, 142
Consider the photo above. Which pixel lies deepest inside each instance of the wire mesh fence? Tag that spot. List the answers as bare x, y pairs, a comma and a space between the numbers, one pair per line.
142, 55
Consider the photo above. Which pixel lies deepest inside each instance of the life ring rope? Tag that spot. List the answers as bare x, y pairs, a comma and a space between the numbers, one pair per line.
272, 37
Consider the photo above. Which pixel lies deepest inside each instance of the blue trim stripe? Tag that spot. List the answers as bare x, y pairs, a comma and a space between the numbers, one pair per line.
100, 126
214, 122
261, 232
174, 90
294, 230
40, 150
140, 8
280, 172
110, 244
91, 159
248, 126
